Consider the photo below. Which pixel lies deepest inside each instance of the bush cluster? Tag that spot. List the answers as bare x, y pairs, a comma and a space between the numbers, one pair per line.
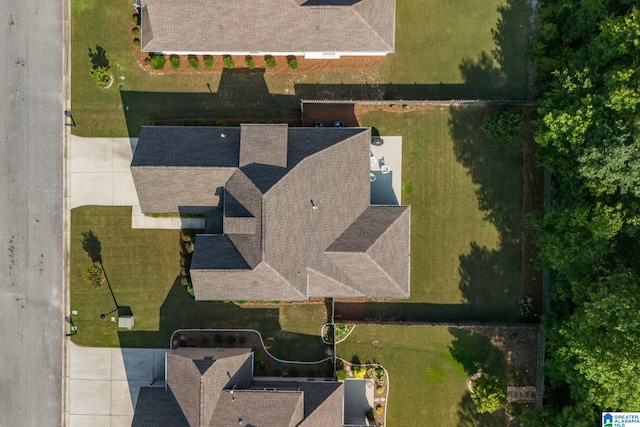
158, 62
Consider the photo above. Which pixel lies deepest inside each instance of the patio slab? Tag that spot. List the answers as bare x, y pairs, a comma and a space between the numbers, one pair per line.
386, 189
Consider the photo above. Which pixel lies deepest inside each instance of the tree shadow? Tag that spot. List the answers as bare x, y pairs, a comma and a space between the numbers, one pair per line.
491, 277
98, 57
505, 69
180, 311
476, 353
92, 246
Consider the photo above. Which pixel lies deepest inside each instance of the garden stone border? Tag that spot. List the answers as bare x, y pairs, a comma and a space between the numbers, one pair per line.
472, 380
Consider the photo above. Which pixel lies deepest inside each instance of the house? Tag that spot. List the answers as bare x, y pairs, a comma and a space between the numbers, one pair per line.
319, 29
288, 213
208, 387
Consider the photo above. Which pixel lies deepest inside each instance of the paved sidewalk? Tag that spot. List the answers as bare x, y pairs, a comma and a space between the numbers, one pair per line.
104, 383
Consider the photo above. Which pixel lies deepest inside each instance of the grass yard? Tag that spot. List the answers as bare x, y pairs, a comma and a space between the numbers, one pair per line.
428, 384
443, 49
142, 267
466, 202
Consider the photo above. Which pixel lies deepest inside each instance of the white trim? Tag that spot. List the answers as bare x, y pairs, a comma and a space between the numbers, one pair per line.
306, 55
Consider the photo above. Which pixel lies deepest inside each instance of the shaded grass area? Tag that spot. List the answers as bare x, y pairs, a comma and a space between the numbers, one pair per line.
442, 51
142, 268
466, 203
428, 369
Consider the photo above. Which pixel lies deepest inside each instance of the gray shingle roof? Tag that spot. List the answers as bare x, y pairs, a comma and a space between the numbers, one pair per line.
268, 26
199, 393
306, 231
263, 144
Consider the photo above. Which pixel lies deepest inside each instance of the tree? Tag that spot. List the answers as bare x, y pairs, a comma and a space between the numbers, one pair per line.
504, 127
488, 394
602, 345
101, 76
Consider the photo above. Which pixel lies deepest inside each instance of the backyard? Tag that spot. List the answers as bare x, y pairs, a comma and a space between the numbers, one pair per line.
142, 268
440, 53
428, 371
466, 203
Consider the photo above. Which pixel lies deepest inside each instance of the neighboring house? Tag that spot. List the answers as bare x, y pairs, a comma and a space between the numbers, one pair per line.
320, 29
287, 210
207, 387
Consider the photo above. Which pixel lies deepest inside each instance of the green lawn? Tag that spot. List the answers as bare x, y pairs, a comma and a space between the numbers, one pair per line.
443, 49
466, 202
427, 383
142, 267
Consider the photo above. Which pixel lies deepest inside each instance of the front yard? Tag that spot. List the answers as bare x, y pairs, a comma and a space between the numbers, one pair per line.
143, 268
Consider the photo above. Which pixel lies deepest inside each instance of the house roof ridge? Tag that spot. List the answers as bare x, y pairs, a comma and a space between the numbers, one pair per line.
267, 264
396, 219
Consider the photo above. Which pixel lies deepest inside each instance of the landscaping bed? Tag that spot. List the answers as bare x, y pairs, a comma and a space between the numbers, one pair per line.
380, 378
266, 365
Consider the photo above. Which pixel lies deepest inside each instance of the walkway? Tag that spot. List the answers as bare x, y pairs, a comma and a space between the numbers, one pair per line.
104, 383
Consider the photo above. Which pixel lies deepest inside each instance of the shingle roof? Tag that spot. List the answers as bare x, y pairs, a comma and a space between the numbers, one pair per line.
197, 383
269, 26
207, 387
306, 231
156, 407
260, 408
263, 144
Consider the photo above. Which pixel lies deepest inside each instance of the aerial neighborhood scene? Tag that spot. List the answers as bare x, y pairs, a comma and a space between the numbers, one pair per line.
309, 213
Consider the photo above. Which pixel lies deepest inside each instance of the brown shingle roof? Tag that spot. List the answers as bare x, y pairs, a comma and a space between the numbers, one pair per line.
260, 408
268, 26
263, 144
306, 231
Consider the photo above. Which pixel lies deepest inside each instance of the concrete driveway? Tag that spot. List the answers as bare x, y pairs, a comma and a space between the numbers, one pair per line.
104, 383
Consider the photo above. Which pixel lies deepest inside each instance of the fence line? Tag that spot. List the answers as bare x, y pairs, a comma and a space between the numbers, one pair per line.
447, 102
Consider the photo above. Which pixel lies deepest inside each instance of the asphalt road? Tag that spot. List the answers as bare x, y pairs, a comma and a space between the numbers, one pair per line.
31, 212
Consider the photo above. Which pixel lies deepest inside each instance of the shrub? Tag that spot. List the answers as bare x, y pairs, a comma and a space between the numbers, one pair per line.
136, 42
93, 275
221, 123
271, 62
341, 374
218, 338
228, 62
251, 64
184, 281
293, 64
243, 339
379, 409
504, 127
257, 354
276, 302
379, 372
231, 340
208, 62
488, 394
101, 76
359, 371
204, 341
190, 290
194, 63
293, 372
135, 31
189, 123
136, 19
175, 62
157, 62
241, 302
379, 389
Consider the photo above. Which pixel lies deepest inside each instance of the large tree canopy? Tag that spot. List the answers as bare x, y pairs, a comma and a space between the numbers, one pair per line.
588, 55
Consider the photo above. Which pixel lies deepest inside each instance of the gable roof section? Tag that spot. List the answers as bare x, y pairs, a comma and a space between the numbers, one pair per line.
173, 167
268, 26
157, 407
196, 383
263, 144
374, 251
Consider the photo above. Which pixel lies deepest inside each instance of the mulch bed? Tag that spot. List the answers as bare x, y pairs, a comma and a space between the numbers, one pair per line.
260, 62
267, 366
